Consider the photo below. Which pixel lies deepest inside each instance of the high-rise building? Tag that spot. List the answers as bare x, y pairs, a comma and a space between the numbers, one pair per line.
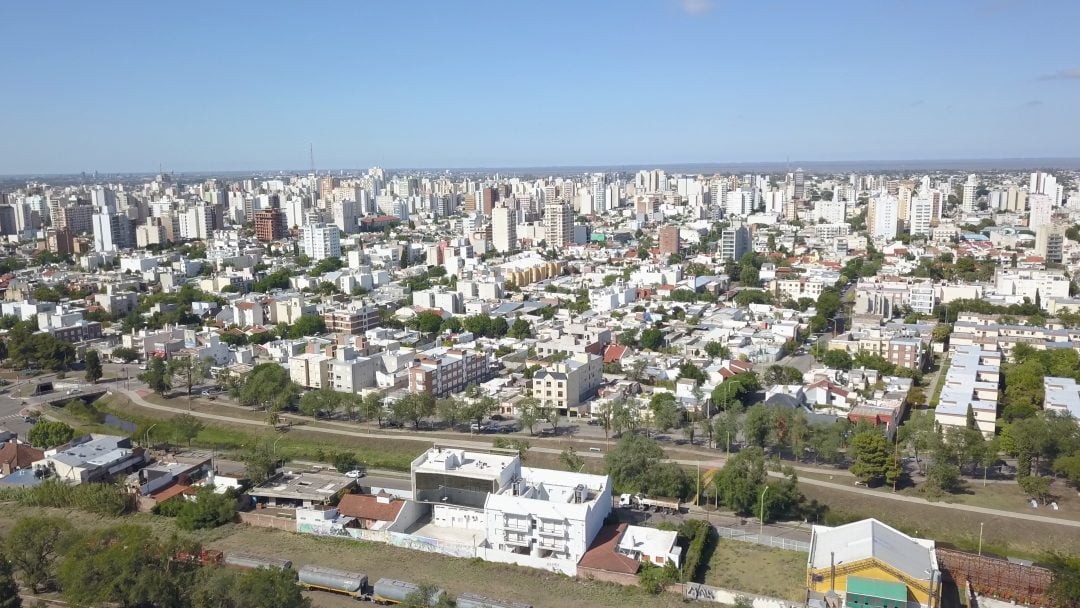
967, 202
320, 241
669, 240
800, 185
921, 213
558, 224
1042, 207
833, 212
59, 241
345, 216
735, 243
1045, 183
503, 229
110, 232
881, 216
1050, 242
270, 225
488, 196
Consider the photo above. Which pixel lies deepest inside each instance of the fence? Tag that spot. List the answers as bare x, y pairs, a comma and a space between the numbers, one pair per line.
777, 542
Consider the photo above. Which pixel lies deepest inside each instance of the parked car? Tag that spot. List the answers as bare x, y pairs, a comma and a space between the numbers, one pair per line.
355, 474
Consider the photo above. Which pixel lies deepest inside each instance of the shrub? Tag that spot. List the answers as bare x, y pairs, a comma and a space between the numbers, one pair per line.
700, 534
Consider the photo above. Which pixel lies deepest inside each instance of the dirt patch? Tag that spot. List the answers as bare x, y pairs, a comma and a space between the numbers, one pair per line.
756, 569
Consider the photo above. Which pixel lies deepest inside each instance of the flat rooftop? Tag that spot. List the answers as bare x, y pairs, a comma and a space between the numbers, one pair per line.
303, 486
464, 462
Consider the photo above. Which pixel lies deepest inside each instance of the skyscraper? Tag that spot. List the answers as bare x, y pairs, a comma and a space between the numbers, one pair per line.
503, 229
669, 240
800, 185
967, 203
1042, 207
558, 224
882, 215
320, 241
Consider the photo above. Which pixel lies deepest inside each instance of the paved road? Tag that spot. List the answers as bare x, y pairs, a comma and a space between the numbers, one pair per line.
711, 463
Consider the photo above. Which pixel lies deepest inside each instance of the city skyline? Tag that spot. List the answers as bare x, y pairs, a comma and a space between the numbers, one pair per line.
482, 85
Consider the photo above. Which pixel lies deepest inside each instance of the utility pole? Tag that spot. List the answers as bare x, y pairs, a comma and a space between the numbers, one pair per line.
761, 522
980, 536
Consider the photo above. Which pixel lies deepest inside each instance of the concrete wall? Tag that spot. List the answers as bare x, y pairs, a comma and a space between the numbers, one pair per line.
705, 593
265, 520
619, 578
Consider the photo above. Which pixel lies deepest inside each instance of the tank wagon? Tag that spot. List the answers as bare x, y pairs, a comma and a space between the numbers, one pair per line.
390, 591
473, 600
331, 579
250, 561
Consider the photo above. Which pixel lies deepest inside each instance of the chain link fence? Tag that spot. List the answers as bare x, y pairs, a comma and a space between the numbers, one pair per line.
777, 542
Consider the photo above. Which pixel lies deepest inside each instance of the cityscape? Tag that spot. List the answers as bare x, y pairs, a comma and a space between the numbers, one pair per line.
260, 353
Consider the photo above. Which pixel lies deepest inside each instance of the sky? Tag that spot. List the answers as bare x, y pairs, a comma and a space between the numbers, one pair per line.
128, 86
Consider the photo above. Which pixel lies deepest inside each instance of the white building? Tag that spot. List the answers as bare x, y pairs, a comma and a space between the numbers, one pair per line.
971, 383
511, 514
882, 216
503, 229
1062, 395
345, 216
558, 224
320, 241
833, 212
1042, 207
967, 202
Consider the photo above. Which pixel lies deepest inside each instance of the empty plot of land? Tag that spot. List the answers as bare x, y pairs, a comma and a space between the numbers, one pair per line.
756, 569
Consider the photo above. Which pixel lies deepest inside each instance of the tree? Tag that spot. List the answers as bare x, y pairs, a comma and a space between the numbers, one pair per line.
49, 434
345, 461
257, 588
190, 370
259, 462
426, 596
268, 387
9, 589
451, 325
414, 407
427, 322
93, 366
739, 482
1065, 584
307, 325
780, 374
652, 339
34, 546
726, 428
521, 329
837, 359
208, 510
372, 407
665, 411
325, 400
693, 372
635, 466
186, 427
157, 376
871, 450
521, 446
756, 425
571, 459
124, 566
528, 412
479, 408
449, 409
715, 349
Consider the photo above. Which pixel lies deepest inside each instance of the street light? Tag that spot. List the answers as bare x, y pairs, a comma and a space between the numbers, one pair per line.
761, 519
146, 435
980, 536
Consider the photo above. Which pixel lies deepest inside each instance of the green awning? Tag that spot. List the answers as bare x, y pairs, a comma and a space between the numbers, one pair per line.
875, 588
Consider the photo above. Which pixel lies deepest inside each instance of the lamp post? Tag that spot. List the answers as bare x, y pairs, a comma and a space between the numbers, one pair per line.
980, 536
761, 519
146, 436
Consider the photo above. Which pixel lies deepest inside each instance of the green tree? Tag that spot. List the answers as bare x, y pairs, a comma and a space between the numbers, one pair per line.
157, 376
715, 349
780, 374
520, 329
345, 462
373, 407
871, 451
49, 434
451, 325
571, 460
267, 387
521, 446
427, 322
307, 325
726, 428
478, 408
413, 408
93, 366
449, 409
652, 339
260, 462
208, 510
426, 596
528, 412
189, 370
322, 401
9, 589
186, 427
837, 359
688, 370
123, 566
756, 425
636, 465
257, 588
34, 545
665, 411
1065, 584
740, 480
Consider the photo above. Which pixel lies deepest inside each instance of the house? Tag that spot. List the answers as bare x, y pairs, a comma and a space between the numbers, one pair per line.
92, 458
868, 563
292, 489
371, 511
651, 545
15, 455
824, 395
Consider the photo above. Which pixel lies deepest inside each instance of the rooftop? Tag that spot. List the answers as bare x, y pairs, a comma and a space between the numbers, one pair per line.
464, 462
303, 486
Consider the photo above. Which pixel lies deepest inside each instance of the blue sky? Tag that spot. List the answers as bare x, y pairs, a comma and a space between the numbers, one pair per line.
126, 86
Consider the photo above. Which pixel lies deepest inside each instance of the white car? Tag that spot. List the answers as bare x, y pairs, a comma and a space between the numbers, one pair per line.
354, 474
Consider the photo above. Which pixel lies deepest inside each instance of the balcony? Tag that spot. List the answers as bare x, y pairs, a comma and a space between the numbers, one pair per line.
553, 532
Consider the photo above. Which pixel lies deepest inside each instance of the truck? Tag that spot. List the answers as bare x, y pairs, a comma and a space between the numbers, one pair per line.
390, 591
656, 503
333, 580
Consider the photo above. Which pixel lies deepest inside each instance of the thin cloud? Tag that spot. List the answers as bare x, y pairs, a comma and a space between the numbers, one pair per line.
696, 7
1066, 74
918, 103
1034, 103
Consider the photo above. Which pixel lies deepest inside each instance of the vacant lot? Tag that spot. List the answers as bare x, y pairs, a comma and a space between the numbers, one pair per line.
1001, 535
756, 569
539, 588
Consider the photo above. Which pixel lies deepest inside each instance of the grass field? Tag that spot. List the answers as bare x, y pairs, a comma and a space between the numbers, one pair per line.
756, 569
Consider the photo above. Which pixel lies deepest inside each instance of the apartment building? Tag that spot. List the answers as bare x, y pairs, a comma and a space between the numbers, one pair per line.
885, 297
987, 332
566, 385
573, 338
532, 517
355, 320
901, 345
1062, 395
442, 371
971, 383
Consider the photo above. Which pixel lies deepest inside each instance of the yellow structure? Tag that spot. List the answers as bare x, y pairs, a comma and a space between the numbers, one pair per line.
868, 564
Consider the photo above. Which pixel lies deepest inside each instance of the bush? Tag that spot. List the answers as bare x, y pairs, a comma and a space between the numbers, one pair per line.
49, 434
208, 510
345, 462
700, 534
97, 498
653, 579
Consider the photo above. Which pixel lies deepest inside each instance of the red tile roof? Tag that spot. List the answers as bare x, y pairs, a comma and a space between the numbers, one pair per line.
19, 455
613, 353
367, 506
603, 556
174, 490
